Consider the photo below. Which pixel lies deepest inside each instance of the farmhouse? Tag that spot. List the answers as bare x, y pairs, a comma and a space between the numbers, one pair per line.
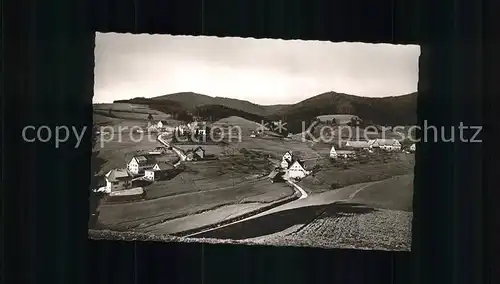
386, 144
333, 153
158, 172
138, 164
345, 154
118, 179
159, 124
296, 170
358, 145
195, 154
202, 131
287, 156
413, 147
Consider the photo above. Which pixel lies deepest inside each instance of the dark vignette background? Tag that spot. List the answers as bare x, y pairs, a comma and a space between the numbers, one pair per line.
48, 50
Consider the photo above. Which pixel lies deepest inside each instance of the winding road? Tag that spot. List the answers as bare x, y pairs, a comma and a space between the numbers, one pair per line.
178, 151
299, 190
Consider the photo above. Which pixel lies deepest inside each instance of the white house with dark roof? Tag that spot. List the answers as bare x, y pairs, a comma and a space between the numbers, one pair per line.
158, 172
386, 144
413, 147
118, 179
138, 164
333, 153
296, 169
358, 144
287, 156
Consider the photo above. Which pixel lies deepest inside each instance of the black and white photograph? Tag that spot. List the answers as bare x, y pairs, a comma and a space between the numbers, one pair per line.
254, 141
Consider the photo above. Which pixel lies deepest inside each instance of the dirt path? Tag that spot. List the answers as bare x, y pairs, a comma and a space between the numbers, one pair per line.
332, 219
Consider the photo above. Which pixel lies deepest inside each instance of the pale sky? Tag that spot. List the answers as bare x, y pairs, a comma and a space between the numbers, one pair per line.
263, 71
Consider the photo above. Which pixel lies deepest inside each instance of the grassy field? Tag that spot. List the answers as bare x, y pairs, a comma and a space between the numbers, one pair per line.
246, 126
129, 111
211, 175
398, 188
128, 115
237, 177
201, 186
277, 147
150, 212
332, 176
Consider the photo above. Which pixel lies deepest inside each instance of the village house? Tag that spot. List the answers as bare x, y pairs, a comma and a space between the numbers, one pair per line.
158, 172
364, 145
118, 179
346, 154
413, 147
286, 160
333, 153
386, 144
296, 170
195, 154
202, 131
138, 164
288, 156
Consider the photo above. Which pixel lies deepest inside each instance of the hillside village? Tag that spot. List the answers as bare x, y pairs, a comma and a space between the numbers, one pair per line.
182, 173
274, 144
143, 168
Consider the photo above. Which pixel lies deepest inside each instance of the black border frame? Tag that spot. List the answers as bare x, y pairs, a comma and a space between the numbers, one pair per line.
47, 65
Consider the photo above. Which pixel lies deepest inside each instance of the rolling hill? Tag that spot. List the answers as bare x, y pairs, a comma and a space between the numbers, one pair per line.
399, 110
192, 100
396, 110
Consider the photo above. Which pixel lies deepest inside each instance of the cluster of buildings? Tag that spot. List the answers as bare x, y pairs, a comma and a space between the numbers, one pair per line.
383, 144
139, 168
290, 167
256, 133
184, 129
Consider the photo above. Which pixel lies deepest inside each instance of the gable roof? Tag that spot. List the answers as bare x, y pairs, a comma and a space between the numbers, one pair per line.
301, 163
198, 148
276, 174
358, 144
144, 160
273, 174
117, 174
163, 167
386, 142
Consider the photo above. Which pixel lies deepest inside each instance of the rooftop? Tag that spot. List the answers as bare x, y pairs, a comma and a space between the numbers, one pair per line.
117, 174
145, 159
